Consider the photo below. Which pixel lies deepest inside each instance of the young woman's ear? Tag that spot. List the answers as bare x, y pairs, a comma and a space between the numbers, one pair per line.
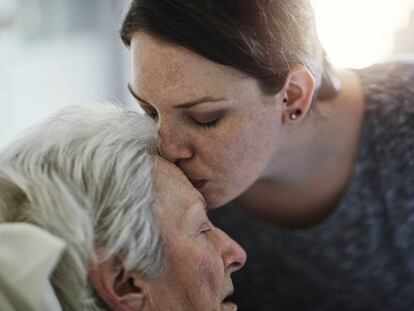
118, 289
297, 94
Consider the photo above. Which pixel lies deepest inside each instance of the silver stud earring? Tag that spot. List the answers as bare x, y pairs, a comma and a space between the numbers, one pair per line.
294, 115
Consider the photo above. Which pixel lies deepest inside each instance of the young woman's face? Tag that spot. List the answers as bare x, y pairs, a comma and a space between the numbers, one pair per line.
214, 122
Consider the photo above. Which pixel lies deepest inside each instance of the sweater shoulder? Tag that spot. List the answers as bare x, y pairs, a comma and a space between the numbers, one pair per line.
389, 99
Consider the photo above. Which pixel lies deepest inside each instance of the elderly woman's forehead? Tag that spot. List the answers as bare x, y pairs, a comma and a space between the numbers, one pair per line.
168, 177
175, 194
170, 180
164, 168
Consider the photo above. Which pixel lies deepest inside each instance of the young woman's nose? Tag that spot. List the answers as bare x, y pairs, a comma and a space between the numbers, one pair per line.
174, 146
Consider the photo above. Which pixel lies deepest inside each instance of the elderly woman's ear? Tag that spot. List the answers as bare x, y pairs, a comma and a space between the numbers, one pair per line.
119, 290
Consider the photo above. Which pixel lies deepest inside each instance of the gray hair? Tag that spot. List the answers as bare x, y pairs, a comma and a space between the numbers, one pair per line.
85, 175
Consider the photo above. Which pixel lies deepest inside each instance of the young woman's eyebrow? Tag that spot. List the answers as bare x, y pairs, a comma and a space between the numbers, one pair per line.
190, 104
136, 96
200, 101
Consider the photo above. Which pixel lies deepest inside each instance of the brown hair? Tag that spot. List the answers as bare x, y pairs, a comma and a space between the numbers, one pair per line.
262, 38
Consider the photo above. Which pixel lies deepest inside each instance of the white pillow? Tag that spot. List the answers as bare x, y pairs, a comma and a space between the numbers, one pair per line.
28, 256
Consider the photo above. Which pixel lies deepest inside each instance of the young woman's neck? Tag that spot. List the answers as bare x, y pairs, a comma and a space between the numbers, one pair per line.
312, 169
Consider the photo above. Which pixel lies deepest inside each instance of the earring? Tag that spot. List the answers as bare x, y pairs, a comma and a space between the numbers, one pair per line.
294, 115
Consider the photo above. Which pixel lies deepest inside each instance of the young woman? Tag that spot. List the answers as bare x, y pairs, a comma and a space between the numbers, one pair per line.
320, 161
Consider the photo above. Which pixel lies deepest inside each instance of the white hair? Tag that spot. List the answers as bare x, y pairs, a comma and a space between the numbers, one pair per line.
85, 175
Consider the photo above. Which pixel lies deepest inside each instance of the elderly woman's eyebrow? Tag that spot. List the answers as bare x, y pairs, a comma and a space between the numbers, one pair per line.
199, 202
204, 203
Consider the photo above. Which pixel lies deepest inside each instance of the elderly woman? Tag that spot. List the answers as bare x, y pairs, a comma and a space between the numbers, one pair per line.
136, 231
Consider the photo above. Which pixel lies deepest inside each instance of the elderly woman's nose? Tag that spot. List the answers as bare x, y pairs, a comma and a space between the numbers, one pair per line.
173, 145
234, 255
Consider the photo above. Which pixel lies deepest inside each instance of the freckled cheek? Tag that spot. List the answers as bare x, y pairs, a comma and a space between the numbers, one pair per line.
252, 142
226, 152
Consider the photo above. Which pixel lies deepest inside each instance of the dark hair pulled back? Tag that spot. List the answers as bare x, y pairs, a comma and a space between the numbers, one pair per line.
262, 38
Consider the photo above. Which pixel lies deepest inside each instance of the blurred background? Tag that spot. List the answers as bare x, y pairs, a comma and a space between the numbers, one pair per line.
59, 52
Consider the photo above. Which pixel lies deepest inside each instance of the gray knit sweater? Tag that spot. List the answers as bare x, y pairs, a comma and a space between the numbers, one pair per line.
362, 256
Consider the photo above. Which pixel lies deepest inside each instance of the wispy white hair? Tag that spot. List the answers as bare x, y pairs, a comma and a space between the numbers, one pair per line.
85, 175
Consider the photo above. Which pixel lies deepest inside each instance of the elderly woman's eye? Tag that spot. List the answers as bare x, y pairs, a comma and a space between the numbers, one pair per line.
205, 229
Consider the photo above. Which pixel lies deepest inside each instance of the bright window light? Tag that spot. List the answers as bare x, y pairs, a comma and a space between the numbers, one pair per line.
358, 33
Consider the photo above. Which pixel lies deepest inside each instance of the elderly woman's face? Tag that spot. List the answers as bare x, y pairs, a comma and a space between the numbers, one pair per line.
199, 257
214, 122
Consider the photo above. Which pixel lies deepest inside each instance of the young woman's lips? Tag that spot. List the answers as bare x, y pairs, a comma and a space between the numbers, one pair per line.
198, 184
